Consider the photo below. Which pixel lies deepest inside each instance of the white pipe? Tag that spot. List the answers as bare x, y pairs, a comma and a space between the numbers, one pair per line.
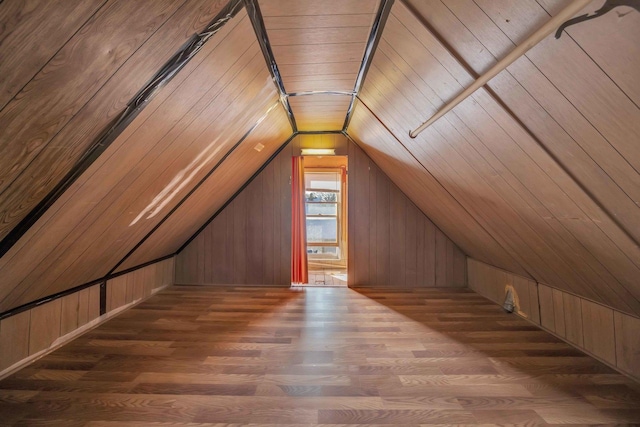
535, 38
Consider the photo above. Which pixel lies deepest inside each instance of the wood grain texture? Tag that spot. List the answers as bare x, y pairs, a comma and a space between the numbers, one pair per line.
173, 144
223, 355
44, 328
47, 26
215, 191
63, 88
320, 112
319, 47
598, 329
487, 154
627, 344
241, 245
69, 312
607, 334
409, 174
14, 339
384, 239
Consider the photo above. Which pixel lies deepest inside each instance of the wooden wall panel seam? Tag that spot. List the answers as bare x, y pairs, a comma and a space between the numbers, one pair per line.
390, 132
607, 353
561, 224
273, 156
44, 300
53, 55
194, 188
100, 144
384, 9
257, 21
402, 206
159, 282
620, 290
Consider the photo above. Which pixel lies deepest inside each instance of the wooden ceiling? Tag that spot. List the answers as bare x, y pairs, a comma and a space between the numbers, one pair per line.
541, 167
536, 173
319, 46
214, 109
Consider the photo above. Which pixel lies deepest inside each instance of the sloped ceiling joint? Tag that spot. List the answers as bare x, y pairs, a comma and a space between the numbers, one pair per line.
240, 190
322, 92
102, 281
438, 182
120, 123
195, 187
253, 10
522, 125
374, 38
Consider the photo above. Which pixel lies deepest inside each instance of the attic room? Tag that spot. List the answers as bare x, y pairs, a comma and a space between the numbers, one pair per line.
319, 212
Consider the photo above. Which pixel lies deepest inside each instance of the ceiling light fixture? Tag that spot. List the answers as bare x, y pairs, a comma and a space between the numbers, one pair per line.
318, 152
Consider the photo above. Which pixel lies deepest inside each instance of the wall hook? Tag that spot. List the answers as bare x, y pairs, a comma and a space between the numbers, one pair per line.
606, 7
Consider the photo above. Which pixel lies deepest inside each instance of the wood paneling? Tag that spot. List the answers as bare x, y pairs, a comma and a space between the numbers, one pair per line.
185, 130
14, 339
216, 190
45, 325
573, 319
240, 247
74, 78
320, 112
602, 332
409, 174
547, 316
249, 241
69, 313
26, 335
493, 283
32, 33
627, 344
139, 284
598, 328
391, 242
253, 356
561, 225
319, 46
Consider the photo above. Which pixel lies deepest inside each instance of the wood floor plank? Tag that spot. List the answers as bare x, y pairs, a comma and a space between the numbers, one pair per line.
269, 356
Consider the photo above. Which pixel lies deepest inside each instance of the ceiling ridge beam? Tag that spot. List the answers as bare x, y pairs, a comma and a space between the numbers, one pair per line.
372, 43
253, 10
195, 187
142, 98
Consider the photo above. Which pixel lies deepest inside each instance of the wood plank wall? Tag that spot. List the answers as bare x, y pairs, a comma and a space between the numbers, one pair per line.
176, 141
249, 242
68, 69
31, 333
391, 242
541, 162
601, 331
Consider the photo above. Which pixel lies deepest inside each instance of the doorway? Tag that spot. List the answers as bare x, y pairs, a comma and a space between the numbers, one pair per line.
325, 199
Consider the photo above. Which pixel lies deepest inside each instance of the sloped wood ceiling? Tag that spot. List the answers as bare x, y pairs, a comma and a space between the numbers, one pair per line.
68, 68
538, 173
319, 46
222, 96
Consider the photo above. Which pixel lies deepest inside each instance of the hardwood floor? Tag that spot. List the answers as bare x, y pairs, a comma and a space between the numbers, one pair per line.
271, 356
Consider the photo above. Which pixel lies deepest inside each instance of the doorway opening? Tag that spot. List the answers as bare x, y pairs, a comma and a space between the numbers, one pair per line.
325, 209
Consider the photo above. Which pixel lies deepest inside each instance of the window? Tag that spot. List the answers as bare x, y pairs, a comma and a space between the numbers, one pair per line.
322, 207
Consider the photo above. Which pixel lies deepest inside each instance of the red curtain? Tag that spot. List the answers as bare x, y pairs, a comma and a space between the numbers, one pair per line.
299, 273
